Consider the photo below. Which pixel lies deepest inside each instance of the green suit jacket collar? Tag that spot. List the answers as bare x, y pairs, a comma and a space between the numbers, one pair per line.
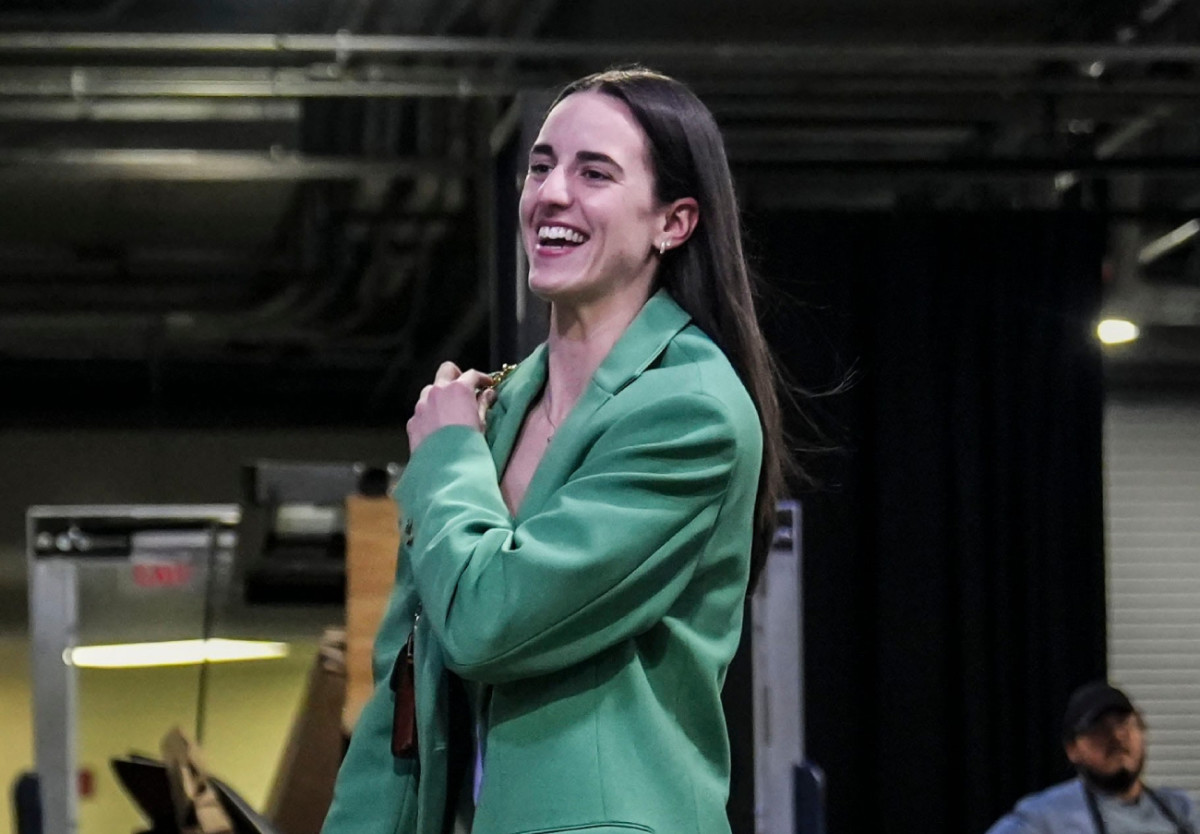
659, 320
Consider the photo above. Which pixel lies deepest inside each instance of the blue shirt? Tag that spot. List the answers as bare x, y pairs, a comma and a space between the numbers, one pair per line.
1063, 809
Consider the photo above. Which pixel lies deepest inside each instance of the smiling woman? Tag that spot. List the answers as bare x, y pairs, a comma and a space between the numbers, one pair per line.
593, 226
579, 537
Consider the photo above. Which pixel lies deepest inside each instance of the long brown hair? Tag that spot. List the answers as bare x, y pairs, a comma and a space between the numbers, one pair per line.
708, 276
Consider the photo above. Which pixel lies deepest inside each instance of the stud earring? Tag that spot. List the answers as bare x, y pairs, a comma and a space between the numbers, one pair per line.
662, 247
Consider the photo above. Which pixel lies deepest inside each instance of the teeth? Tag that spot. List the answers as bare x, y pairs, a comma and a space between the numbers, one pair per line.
560, 233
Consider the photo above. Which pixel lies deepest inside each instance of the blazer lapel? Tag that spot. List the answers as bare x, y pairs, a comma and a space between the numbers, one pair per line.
514, 398
641, 343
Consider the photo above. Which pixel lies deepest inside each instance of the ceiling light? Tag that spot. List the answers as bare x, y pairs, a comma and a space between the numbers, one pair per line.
172, 653
1117, 331
1158, 247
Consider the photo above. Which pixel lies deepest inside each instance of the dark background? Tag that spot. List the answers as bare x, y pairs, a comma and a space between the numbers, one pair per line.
954, 573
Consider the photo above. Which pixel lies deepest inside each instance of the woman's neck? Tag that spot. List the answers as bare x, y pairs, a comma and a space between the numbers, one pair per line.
579, 340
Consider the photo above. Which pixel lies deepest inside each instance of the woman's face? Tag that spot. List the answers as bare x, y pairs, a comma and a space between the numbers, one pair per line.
589, 217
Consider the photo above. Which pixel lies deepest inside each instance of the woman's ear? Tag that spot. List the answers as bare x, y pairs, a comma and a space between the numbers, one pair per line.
679, 221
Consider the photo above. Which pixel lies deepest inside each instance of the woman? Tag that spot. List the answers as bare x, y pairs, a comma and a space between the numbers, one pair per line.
578, 540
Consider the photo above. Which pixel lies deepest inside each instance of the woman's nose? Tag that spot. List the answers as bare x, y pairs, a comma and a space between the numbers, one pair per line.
554, 188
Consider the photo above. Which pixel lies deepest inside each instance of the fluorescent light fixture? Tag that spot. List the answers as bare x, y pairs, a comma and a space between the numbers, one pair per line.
1117, 331
1158, 247
172, 653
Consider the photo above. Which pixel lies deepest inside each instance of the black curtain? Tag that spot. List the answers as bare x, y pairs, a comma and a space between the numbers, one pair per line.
954, 575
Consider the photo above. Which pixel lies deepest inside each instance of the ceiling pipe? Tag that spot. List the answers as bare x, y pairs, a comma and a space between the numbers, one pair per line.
739, 55
205, 166
84, 83
87, 83
149, 110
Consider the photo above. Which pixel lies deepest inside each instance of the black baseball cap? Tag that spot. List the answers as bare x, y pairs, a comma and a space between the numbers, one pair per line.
1091, 702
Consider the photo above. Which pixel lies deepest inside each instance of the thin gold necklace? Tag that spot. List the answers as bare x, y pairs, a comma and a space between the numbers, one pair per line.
546, 414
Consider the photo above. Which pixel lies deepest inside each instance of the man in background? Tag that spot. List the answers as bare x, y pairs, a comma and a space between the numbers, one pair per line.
1105, 739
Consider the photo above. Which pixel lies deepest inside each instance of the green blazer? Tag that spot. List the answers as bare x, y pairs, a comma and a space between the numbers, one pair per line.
596, 626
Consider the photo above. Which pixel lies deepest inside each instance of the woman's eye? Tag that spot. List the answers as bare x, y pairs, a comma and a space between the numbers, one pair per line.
539, 168
593, 174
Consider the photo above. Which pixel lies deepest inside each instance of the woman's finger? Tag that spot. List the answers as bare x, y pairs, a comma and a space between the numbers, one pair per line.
475, 379
485, 400
447, 372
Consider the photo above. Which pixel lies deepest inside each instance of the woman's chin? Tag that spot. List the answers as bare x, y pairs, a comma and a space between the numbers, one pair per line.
548, 286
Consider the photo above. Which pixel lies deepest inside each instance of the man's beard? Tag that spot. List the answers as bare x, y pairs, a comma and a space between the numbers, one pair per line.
1113, 783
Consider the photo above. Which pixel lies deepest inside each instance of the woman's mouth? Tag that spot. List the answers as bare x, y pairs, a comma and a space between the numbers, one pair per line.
559, 238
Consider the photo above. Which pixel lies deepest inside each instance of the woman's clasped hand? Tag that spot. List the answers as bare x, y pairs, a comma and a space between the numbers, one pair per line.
456, 398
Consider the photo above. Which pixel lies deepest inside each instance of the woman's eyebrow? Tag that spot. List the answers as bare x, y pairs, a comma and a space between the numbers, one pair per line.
543, 150
581, 156
596, 156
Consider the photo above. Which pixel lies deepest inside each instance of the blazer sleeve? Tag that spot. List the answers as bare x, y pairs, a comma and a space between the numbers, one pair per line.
601, 561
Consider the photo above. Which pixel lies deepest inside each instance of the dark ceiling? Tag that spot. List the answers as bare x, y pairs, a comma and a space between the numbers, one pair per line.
222, 213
